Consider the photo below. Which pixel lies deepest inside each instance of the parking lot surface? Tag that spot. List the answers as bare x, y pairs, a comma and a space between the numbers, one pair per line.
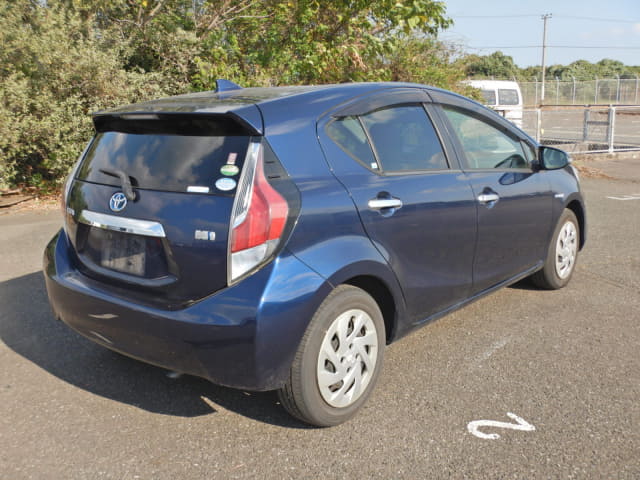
566, 124
560, 371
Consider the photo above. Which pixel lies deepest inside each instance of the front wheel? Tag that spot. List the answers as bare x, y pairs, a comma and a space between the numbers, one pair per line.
338, 361
562, 255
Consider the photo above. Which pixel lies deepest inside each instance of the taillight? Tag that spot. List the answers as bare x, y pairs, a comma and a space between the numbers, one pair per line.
258, 219
66, 188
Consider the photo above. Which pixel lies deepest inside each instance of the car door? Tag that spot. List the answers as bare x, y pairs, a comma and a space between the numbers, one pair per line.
514, 199
416, 207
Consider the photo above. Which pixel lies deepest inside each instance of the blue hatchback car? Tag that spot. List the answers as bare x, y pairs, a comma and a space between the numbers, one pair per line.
279, 238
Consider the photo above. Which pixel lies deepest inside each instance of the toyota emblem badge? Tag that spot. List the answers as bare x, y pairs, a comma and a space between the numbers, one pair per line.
117, 202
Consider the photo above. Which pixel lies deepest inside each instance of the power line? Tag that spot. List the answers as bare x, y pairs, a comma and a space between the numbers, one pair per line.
573, 17
618, 47
596, 19
612, 47
493, 16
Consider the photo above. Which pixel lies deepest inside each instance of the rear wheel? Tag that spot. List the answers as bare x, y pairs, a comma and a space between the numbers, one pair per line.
562, 256
338, 361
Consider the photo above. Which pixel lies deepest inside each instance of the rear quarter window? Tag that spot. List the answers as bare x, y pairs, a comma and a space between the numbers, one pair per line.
347, 132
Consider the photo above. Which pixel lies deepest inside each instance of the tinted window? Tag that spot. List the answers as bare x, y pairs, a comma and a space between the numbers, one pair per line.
507, 97
489, 97
484, 145
347, 132
162, 161
404, 139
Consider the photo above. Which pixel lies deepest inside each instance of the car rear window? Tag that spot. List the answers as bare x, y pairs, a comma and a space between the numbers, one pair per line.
160, 159
508, 96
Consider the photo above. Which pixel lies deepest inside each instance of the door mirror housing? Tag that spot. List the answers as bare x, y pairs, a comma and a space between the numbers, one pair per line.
553, 158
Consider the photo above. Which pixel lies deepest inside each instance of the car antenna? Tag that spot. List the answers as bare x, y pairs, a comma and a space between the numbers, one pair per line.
226, 85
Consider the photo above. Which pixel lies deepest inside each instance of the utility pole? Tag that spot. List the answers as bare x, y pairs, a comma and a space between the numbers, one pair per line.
544, 17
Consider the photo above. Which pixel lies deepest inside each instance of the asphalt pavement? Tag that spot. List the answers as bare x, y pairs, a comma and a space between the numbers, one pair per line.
558, 370
566, 124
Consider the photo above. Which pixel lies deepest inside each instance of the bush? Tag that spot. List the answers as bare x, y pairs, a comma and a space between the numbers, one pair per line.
55, 71
63, 59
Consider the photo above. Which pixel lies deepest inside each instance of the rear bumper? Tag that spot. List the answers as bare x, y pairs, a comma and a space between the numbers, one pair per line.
244, 337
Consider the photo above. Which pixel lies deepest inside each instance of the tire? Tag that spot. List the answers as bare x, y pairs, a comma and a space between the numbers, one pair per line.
337, 364
562, 255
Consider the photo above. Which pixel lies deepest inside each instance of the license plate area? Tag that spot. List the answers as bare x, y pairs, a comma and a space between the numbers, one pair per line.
121, 256
123, 252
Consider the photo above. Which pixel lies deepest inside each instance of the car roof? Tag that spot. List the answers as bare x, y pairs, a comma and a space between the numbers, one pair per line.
233, 100
241, 103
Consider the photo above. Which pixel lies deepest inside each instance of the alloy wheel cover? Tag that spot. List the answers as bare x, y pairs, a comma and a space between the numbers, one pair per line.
347, 358
566, 249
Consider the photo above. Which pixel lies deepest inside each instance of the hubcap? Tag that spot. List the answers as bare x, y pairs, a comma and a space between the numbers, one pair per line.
566, 249
347, 358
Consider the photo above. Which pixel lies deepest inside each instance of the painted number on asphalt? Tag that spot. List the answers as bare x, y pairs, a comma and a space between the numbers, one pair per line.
635, 196
521, 424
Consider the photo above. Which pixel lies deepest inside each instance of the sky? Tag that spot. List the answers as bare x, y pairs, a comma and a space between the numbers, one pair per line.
598, 29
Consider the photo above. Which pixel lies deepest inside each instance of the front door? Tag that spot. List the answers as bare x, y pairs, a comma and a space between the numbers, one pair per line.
513, 199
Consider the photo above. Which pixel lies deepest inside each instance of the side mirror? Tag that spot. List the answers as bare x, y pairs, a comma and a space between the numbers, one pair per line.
553, 158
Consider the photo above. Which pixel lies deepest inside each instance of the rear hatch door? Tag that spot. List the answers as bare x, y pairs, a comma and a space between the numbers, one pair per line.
149, 209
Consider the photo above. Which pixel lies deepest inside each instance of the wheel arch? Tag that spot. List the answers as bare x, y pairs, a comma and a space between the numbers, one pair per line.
578, 210
382, 295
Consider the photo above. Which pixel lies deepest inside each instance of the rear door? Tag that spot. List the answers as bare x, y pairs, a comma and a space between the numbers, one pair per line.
149, 209
514, 199
415, 205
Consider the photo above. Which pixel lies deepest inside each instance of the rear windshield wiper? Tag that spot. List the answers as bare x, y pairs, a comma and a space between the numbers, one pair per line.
124, 180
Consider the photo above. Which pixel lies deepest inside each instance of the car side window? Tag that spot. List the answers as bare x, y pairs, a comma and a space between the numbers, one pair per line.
404, 139
484, 145
347, 132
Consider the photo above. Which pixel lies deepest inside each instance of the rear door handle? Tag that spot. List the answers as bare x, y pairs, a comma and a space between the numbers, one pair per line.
380, 203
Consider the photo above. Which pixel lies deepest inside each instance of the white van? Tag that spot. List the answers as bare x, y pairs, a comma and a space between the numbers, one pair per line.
503, 96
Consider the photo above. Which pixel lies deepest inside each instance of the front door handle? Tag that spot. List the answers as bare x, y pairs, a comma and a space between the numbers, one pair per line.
380, 203
488, 197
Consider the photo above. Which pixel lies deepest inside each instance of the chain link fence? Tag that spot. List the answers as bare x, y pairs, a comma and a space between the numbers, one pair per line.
591, 92
583, 129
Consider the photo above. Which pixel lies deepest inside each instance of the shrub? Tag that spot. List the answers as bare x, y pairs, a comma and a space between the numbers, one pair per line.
55, 70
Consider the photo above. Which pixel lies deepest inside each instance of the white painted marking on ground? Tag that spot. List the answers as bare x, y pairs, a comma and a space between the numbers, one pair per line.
495, 346
520, 425
212, 405
633, 196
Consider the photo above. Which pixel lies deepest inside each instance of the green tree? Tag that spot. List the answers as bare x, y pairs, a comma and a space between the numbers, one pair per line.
310, 41
496, 65
428, 61
62, 59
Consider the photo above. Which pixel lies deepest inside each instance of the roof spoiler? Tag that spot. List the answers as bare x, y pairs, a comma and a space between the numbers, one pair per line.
226, 85
175, 123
